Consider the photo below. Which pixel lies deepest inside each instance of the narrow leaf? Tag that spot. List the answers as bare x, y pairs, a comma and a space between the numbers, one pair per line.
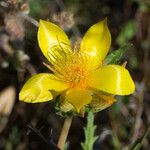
115, 56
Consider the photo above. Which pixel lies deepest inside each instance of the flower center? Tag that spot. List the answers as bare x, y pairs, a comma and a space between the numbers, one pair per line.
71, 67
77, 75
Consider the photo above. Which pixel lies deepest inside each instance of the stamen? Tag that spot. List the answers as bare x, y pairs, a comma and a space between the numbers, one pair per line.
71, 67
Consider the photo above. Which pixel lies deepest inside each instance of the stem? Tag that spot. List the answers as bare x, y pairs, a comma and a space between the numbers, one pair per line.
64, 132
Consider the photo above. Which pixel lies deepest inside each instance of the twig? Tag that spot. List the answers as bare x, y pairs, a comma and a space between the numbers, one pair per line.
60, 3
31, 69
64, 132
31, 20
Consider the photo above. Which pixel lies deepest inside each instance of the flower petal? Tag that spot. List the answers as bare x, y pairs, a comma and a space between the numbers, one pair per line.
96, 42
50, 35
78, 98
101, 101
37, 88
113, 79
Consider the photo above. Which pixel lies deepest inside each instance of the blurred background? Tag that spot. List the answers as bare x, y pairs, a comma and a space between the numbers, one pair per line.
32, 126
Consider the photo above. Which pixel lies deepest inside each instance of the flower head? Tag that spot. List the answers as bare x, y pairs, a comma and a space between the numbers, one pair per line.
79, 76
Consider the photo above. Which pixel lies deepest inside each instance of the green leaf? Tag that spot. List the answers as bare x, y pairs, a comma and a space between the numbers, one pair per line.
115, 56
138, 144
90, 138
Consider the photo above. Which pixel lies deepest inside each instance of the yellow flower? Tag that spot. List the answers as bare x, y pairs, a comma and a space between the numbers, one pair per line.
79, 76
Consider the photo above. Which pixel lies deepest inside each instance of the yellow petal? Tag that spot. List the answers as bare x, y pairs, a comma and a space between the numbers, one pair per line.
78, 98
96, 42
101, 101
37, 88
50, 35
113, 79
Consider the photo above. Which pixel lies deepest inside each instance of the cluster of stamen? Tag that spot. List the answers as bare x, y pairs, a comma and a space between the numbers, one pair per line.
69, 66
